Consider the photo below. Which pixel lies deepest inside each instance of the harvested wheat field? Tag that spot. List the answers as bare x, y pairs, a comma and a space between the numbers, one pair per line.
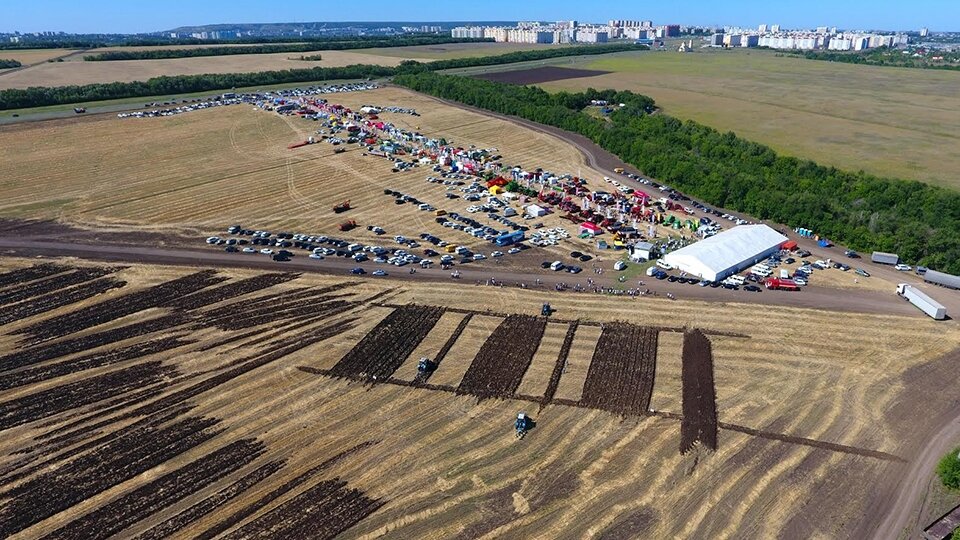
150, 402
82, 72
33, 56
205, 170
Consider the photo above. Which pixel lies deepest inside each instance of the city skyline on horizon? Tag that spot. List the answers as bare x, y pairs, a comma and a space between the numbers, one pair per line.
114, 17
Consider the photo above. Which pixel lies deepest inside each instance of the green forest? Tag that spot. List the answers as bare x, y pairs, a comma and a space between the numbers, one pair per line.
18, 98
4, 64
919, 221
343, 44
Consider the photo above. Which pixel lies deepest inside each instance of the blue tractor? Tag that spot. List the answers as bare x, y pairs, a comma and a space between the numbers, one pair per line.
522, 425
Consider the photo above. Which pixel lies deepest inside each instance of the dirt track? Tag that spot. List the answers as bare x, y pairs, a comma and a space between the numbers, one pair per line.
812, 297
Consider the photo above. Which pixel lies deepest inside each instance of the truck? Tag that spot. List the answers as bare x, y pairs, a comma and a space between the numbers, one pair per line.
926, 304
781, 284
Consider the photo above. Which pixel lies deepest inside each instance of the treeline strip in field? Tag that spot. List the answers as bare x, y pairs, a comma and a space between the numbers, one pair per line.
18, 98
918, 221
29, 42
310, 46
699, 423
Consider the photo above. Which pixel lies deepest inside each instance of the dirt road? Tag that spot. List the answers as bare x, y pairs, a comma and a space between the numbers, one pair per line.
811, 297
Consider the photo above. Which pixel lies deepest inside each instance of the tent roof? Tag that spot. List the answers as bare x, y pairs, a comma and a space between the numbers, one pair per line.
727, 249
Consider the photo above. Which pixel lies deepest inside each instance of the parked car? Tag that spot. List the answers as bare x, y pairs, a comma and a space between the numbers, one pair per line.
379, 273
862, 272
358, 271
903, 267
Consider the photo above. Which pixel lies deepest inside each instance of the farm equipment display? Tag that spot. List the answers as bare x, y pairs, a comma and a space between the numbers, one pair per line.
342, 207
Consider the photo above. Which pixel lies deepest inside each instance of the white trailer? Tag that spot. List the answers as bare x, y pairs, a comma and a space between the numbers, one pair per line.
942, 279
926, 304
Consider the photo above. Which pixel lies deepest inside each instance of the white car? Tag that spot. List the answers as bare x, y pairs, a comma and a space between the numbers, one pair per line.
514, 251
249, 250
497, 254
903, 267
379, 273
266, 251
213, 239
479, 257
317, 256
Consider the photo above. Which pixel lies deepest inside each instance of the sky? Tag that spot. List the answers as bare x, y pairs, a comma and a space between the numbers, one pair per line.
132, 16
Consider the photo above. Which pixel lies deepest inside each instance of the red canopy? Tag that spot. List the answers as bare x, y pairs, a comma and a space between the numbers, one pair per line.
789, 245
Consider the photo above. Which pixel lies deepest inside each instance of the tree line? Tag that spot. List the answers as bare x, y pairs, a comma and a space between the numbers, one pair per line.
885, 56
918, 221
94, 41
18, 98
4, 64
156, 54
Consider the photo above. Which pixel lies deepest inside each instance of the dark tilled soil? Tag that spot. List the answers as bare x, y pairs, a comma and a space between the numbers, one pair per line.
539, 75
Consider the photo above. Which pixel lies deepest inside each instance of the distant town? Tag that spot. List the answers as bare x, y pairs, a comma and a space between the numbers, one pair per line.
770, 36
773, 36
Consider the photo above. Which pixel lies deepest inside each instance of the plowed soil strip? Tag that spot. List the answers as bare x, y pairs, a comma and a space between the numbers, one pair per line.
31, 273
35, 375
561, 363
44, 404
499, 366
699, 396
57, 283
210, 504
378, 355
77, 480
50, 302
231, 290
121, 306
157, 495
54, 350
321, 512
275, 494
423, 378
620, 377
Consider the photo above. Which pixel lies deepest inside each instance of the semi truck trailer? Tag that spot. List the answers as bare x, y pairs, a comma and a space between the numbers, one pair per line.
926, 304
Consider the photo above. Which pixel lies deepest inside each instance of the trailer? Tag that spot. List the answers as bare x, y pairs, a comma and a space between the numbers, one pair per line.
880, 257
939, 278
926, 304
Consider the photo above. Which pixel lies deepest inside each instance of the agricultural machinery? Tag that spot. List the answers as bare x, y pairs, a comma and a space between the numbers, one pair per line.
348, 225
546, 310
342, 207
425, 365
523, 424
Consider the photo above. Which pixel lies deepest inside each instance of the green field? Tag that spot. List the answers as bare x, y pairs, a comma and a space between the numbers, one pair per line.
888, 121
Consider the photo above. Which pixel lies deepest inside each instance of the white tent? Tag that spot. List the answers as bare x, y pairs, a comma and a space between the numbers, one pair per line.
727, 253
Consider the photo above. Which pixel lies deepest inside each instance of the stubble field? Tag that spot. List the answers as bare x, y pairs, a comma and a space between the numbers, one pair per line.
80, 72
241, 403
887, 121
202, 171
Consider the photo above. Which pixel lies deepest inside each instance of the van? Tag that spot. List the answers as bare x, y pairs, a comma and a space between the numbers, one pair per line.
556, 266
354, 247
784, 273
662, 264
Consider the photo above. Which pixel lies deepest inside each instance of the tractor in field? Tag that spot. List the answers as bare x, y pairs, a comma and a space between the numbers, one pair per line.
342, 207
522, 425
348, 225
425, 365
546, 310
